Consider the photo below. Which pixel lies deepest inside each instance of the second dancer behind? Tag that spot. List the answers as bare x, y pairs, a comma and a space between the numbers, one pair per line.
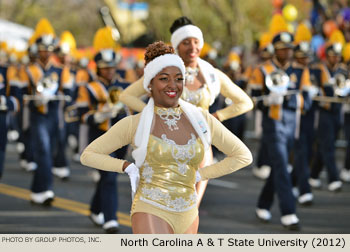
169, 138
203, 83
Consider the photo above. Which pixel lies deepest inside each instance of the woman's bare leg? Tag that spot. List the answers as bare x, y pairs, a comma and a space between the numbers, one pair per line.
193, 229
144, 223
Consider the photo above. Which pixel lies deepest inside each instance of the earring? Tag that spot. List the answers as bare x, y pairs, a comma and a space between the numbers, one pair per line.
150, 89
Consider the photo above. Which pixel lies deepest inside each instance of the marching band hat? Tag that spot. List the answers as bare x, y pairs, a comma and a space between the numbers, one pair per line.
283, 40
334, 49
107, 58
302, 50
46, 43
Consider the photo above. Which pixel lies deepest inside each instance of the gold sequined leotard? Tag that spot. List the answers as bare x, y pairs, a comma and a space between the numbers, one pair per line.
199, 97
167, 181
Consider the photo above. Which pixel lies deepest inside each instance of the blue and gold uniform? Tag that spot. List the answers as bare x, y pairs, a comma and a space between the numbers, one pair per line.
46, 84
99, 107
96, 96
279, 128
326, 75
9, 94
47, 124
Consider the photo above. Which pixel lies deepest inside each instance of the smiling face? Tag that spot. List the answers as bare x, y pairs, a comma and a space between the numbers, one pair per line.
189, 51
166, 87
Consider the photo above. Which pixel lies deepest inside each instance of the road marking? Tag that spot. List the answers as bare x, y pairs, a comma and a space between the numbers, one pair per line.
222, 183
66, 204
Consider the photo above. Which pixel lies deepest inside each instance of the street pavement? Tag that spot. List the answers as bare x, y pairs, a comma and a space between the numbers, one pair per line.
227, 208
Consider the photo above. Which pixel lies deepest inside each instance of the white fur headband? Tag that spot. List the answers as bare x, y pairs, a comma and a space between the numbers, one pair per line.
184, 32
159, 63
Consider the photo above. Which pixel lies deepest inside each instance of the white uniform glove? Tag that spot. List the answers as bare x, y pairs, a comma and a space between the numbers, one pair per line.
133, 171
41, 100
198, 176
100, 117
117, 108
273, 99
313, 91
3, 105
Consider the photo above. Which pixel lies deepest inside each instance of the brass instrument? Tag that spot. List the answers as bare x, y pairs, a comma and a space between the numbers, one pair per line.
112, 104
50, 98
71, 114
341, 87
46, 90
113, 95
277, 82
332, 99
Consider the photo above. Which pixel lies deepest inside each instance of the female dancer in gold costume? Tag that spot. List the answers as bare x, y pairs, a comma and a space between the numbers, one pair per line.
203, 83
170, 137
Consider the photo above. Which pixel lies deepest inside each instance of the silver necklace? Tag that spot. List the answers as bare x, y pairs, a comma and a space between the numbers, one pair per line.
191, 74
170, 116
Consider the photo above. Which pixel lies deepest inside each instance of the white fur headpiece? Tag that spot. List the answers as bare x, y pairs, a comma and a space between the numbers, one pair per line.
187, 31
159, 63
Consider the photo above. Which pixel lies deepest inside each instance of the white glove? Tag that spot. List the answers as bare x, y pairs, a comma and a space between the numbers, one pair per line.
198, 176
100, 117
273, 99
3, 105
116, 108
133, 171
41, 100
313, 91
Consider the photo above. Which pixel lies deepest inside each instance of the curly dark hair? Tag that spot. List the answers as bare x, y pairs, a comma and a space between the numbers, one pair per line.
157, 49
179, 22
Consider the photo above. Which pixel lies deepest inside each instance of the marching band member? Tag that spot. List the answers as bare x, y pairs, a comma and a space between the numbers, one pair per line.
24, 145
345, 172
329, 117
278, 125
9, 102
100, 113
233, 69
305, 137
63, 51
170, 137
262, 168
203, 83
46, 84
83, 76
